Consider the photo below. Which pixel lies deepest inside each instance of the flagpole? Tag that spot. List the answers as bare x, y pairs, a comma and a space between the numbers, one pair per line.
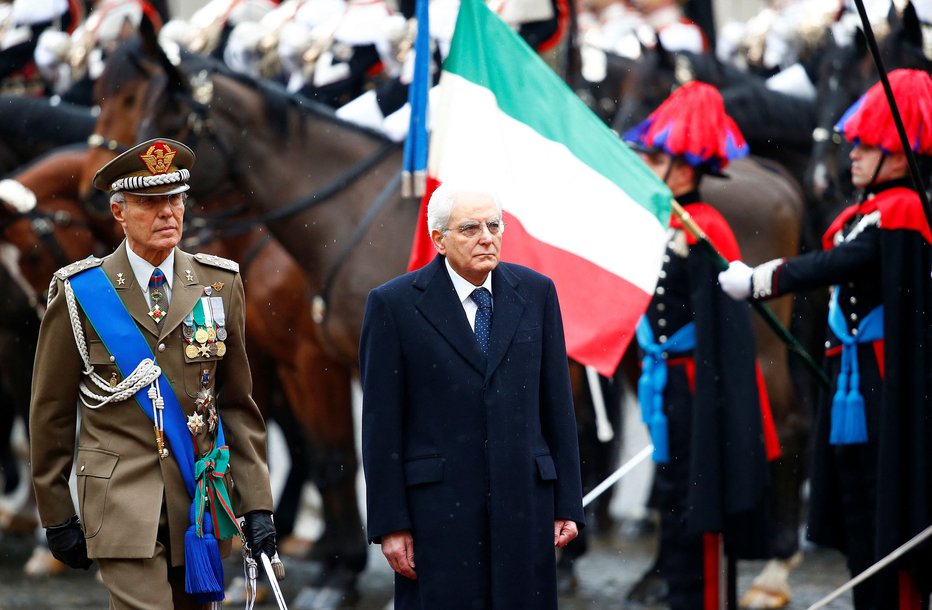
895, 111
414, 171
765, 312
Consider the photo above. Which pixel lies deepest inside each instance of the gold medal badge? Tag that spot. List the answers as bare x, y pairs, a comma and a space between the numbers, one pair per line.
158, 158
191, 350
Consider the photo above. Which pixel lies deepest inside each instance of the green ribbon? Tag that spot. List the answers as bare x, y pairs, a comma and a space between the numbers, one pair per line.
212, 494
198, 312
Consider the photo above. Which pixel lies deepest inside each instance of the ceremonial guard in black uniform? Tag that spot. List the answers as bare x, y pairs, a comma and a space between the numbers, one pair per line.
872, 476
699, 389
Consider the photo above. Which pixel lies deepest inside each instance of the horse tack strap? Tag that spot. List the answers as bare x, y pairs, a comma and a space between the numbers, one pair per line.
123, 339
361, 227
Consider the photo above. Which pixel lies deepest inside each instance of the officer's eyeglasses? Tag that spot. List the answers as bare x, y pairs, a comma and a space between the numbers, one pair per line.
157, 202
471, 229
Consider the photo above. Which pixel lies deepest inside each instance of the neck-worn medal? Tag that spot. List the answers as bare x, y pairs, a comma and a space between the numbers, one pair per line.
156, 294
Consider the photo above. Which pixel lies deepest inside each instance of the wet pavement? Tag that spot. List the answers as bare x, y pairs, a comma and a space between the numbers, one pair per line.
605, 574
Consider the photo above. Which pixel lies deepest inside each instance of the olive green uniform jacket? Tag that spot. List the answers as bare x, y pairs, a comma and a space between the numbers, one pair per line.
122, 483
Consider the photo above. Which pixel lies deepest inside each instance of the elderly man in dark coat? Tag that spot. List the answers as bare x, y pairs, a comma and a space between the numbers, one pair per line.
469, 441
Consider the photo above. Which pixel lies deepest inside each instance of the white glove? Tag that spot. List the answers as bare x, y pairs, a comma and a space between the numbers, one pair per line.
736, 280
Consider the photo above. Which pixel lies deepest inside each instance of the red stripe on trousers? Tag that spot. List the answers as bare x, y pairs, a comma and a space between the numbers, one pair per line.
711, 558
909, 592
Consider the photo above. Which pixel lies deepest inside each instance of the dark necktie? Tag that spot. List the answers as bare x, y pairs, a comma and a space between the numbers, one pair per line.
483, 298
157, 295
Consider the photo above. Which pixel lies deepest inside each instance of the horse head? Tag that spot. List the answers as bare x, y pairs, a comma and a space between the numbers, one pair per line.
659, 71
845, 73
120, 92
44, 219
650, 81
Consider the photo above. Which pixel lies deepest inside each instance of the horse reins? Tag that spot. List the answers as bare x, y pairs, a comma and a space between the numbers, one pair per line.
319, 301
96, 140
199, 124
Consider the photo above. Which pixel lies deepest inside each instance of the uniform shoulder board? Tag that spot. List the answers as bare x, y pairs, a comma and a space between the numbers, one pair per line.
216, 261
76, 267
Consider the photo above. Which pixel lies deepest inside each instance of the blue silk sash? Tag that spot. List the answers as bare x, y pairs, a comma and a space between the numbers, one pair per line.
125, 342
653, 381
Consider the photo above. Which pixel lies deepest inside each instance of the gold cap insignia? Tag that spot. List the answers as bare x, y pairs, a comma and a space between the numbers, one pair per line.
158, 158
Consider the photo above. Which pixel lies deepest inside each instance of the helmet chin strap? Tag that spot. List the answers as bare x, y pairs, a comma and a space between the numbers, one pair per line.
883, 157
669, 170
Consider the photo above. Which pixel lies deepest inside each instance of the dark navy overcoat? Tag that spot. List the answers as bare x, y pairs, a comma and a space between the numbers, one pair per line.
476, 456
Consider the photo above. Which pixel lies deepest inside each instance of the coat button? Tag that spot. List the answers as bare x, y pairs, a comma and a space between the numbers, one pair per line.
660, 290
161, 347
663, 274
662, 338
828, 344
662, 323
854, 317
854, 332
112, 359
661, 306
853, 300
83, 466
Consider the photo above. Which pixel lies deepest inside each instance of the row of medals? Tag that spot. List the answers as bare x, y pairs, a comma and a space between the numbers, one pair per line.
204, 341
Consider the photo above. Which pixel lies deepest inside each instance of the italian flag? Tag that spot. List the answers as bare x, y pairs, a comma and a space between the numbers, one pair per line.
578, 205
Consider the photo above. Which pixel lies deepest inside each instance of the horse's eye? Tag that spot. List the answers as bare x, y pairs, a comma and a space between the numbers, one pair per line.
130, 100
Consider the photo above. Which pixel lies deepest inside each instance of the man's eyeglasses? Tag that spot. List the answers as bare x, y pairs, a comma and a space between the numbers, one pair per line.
471, 229
157, 202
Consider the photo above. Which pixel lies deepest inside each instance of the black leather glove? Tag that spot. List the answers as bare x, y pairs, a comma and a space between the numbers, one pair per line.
260, 533
66, 541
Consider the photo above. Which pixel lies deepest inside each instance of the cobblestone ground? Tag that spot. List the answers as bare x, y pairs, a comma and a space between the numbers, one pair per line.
605, 575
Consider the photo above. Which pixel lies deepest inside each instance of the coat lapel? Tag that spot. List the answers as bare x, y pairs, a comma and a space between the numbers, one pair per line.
507, 307
185, 292
124, 282
439, 304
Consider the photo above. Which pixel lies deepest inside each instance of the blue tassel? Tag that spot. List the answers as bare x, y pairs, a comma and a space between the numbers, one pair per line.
838, 416
203, 573
839, 405
645, 385
854, 430
660, 436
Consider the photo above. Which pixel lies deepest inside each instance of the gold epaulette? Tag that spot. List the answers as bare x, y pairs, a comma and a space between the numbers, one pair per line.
76, 267
217, 261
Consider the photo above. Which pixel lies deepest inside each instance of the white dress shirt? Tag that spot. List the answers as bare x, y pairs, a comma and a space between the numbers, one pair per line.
142, 269
464, 290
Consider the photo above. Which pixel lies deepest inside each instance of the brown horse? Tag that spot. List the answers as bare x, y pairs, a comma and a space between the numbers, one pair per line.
325, 189
279, 324
253, 135
38, 238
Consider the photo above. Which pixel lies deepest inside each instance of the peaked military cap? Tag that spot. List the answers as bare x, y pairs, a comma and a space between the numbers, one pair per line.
156, 167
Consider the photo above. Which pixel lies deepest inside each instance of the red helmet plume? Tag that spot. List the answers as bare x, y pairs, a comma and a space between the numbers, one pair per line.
692, 124
870, 122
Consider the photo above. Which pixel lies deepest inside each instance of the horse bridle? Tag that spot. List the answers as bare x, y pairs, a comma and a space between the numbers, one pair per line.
96, 140
199, 124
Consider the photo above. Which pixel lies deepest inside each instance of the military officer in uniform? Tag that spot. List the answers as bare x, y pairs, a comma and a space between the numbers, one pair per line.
147, 346
870, 485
